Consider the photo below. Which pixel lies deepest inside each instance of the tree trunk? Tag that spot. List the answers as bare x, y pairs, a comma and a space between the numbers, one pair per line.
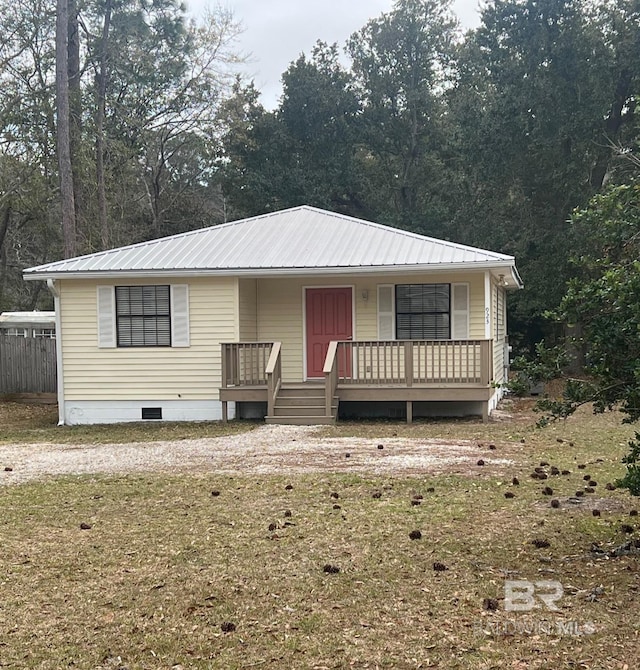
65, 175
101, 86
612, 125
156, 186
75, 107
4, 227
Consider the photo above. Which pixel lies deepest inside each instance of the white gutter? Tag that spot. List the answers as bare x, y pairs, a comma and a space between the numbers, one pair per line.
516, 278
56, 301
279, 272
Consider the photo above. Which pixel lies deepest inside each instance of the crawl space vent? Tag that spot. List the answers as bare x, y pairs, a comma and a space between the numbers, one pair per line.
152, 412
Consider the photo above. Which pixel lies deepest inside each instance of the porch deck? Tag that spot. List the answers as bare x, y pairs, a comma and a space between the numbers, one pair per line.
408, 371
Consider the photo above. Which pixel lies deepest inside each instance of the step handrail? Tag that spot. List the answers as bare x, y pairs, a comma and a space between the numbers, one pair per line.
273, 372
330, 371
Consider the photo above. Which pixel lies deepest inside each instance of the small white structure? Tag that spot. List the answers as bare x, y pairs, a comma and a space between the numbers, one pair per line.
28, 324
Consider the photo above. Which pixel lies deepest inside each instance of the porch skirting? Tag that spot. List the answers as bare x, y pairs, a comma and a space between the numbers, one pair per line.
83, 412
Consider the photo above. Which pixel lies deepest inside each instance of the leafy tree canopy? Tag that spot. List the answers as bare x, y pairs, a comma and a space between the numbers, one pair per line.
602, 304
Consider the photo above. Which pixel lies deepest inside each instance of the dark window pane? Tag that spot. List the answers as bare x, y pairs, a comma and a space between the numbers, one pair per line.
143, 316
422, 311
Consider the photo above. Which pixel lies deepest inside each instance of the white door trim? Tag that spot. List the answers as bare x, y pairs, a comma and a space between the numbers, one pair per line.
304, 320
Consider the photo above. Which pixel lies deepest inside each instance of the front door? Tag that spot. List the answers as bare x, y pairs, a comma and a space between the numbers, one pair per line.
329, 317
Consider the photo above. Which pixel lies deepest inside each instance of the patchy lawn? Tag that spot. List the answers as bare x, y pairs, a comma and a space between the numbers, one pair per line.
318, 570
30, 423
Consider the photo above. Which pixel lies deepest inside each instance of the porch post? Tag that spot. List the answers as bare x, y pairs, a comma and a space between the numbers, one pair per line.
485, 411
408, 363
409, 411
225, 412
224, 365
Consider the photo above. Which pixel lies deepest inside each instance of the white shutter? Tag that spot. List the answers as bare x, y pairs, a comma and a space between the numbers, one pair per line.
460, 312
180, 315
106, 317
386, 312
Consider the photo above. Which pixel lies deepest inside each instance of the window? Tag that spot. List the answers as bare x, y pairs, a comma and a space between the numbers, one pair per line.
423, 311
143, 316
16, 332
45, 333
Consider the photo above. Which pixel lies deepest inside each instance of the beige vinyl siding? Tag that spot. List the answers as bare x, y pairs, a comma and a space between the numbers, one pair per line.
165, 373
499, 326
281, 314
366, 327
476, 305
248, 309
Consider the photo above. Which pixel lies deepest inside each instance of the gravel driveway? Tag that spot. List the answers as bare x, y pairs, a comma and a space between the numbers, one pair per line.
266, 450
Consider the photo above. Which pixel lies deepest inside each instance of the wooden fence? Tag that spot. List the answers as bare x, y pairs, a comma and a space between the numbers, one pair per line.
27, 365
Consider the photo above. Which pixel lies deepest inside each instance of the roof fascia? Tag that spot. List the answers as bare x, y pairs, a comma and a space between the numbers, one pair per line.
277, 272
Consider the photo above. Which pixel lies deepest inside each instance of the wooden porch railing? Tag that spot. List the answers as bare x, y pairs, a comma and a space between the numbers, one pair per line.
409, 362
245, 363
273, 373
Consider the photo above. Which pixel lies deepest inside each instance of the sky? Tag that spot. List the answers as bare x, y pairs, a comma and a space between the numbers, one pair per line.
276, 32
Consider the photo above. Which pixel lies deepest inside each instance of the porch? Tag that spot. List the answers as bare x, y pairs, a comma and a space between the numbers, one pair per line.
393, 371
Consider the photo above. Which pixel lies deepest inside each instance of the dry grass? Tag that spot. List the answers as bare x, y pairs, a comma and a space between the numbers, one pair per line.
28, 424
165, 564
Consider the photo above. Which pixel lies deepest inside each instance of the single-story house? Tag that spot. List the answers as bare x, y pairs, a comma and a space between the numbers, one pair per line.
28, 324
296, 316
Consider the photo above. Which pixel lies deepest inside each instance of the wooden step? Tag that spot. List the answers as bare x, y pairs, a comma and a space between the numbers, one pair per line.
300, 420
300, 410
301, 393
302, 405
291, 401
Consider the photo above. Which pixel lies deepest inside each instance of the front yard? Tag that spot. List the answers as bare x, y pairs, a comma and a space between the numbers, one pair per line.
316, 567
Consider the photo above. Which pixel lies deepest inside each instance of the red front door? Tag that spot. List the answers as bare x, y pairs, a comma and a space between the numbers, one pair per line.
329, 317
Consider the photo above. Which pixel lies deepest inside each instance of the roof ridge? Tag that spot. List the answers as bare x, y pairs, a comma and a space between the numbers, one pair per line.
211, 247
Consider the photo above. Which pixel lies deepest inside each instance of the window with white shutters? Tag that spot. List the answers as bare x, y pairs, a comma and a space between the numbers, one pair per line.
143, 316
423, 311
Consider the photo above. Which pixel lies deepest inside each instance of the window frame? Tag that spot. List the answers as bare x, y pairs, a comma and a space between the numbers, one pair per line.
44, 333
163, 336
425, 313
15, 331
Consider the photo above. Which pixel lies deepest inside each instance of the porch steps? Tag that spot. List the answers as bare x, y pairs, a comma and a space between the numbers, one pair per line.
302, 405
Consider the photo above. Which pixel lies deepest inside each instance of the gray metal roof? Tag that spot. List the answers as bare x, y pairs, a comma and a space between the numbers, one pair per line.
302, 240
